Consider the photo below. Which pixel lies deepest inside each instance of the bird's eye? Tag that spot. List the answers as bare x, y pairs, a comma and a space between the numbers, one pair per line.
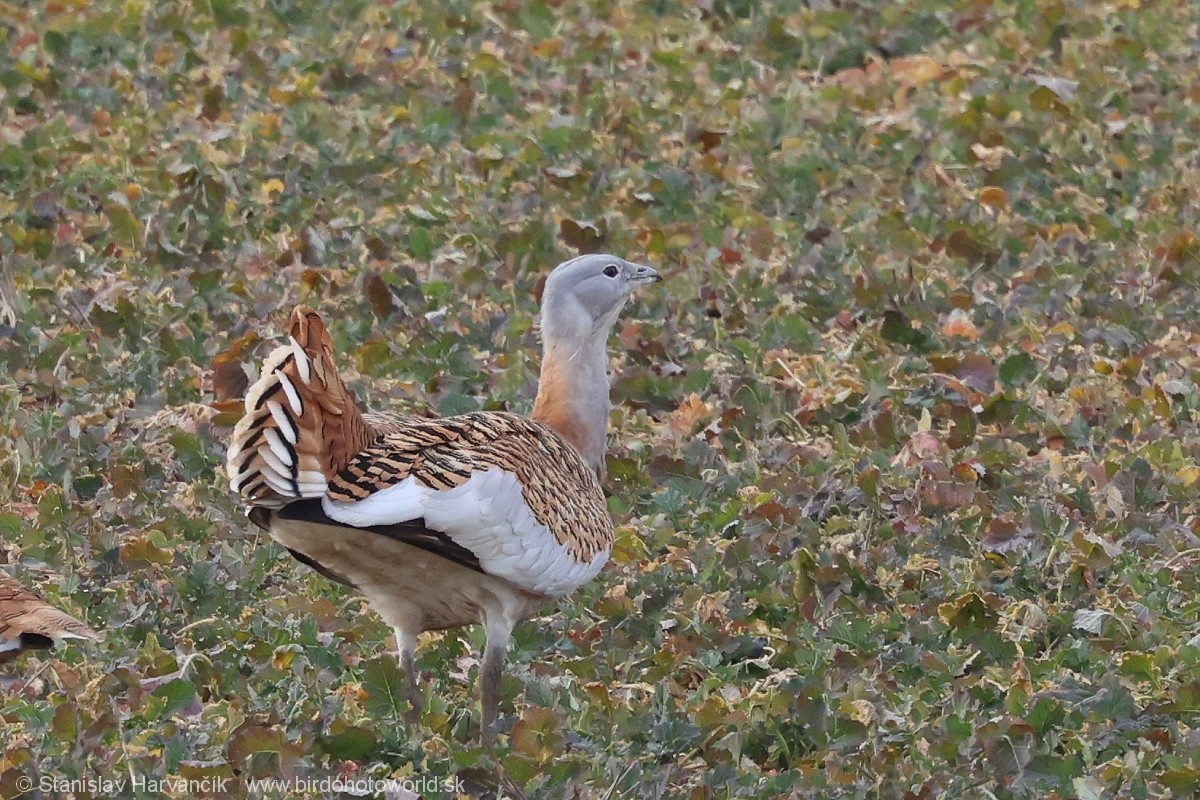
611, 270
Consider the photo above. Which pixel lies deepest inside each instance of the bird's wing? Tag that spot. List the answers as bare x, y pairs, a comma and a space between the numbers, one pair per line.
412, 532
301, 424
27, 620
507, 491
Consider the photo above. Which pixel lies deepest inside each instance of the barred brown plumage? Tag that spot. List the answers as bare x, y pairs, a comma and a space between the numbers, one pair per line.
563, 494
27, 622
483, 517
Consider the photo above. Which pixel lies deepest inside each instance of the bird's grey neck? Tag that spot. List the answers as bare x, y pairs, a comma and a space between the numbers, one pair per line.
573, 394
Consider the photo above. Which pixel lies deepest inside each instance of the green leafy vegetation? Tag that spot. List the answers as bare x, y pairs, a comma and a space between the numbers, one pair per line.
906, 450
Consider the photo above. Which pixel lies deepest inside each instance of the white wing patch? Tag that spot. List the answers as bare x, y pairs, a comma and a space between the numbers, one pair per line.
486, 514
399, 502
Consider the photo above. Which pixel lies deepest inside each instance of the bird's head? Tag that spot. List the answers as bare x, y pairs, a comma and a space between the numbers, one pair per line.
584, 295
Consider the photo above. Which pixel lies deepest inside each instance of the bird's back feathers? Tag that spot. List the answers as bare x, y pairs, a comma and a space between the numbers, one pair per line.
509, 490
29, 622
558, 487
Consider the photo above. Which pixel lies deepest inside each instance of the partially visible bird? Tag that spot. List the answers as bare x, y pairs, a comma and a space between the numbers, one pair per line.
27, 622
484, 517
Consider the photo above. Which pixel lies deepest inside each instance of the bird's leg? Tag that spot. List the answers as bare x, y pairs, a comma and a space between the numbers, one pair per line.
498, 627
406, 648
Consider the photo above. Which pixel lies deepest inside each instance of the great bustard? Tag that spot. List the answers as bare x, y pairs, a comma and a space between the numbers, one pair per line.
27, 622
484, 517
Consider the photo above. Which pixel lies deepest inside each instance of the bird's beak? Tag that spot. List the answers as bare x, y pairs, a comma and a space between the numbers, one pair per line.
643, 274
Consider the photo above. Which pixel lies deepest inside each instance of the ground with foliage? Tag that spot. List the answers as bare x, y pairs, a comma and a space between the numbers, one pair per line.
906, 445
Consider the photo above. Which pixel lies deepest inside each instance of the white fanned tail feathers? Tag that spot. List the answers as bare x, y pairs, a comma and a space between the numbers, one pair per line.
301, 425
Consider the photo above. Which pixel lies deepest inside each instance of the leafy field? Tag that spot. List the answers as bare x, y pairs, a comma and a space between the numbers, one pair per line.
907, 444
